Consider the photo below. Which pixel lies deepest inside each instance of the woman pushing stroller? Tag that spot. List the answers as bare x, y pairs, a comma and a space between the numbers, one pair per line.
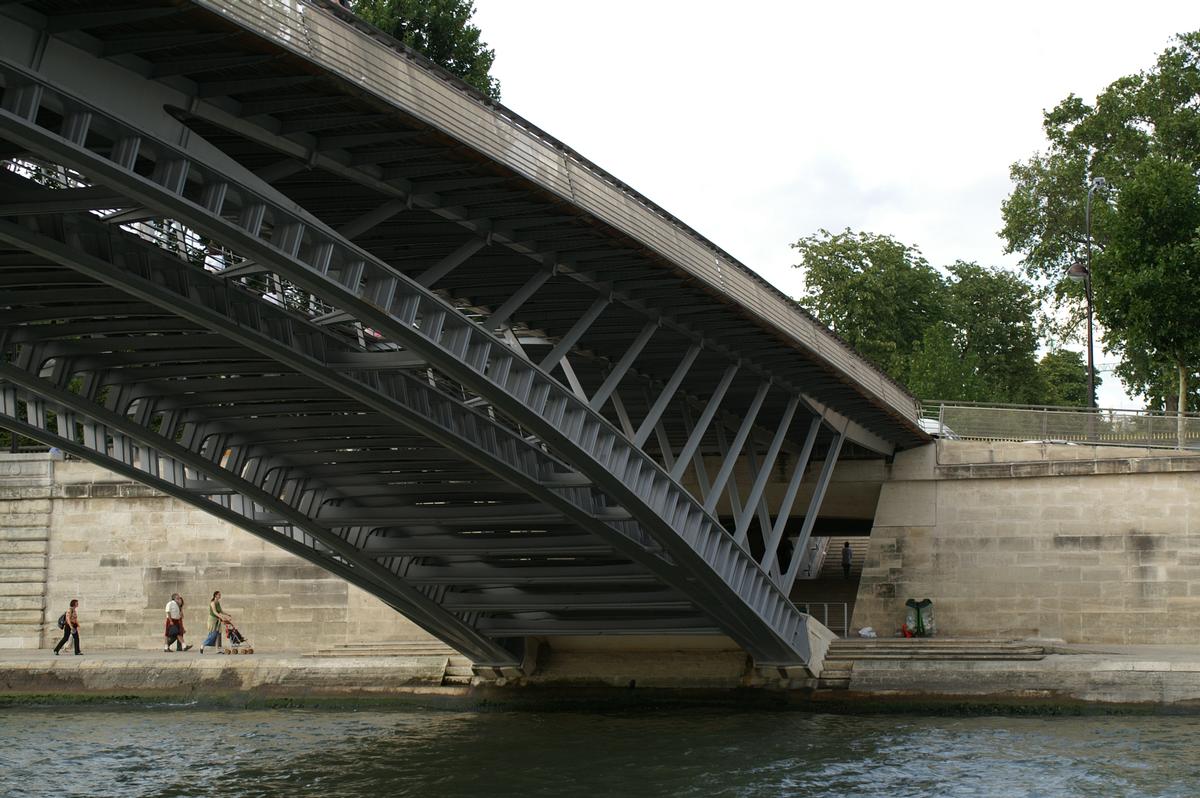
215, 618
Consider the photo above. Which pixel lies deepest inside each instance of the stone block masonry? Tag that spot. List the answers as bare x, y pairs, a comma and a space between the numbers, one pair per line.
26, 490
1105, 550
73, 530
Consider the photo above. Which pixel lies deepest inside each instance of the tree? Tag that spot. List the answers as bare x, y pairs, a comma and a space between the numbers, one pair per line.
993, 312
967, 336
1154, 116
873, 291
939, 369
1062, 376
442, 31
1149, 275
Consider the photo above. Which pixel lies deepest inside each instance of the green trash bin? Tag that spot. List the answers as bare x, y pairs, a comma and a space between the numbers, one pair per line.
921, 617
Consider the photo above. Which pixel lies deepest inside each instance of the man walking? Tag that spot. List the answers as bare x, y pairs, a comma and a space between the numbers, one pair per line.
70, 627
847, 559
173, 632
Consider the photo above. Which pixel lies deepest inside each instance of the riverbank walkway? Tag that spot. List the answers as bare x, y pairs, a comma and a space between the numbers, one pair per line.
882, 673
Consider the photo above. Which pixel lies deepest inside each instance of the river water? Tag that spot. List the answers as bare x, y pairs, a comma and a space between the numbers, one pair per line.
180, 750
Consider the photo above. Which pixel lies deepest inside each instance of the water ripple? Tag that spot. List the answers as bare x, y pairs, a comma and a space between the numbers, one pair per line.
169, 751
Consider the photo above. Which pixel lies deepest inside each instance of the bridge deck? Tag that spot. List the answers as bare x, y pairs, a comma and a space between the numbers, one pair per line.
278, 266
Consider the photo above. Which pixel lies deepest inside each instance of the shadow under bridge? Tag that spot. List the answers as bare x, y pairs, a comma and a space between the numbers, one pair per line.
333, 313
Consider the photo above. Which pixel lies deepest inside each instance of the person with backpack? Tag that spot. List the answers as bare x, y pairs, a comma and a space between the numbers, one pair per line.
69, 623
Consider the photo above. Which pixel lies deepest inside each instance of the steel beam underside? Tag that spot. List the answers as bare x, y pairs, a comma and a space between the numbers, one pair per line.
687, 548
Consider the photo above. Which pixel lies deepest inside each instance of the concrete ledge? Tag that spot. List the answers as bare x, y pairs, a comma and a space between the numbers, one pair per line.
1068, 468
189, 674
1133, 678
1128, 678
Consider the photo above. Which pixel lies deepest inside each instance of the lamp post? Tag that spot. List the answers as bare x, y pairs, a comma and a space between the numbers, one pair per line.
1082, 272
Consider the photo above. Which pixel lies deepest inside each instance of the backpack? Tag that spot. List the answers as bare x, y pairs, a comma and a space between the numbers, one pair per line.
62, 621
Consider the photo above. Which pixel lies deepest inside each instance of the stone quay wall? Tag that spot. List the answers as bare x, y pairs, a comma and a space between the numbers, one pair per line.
1085, 544
73, 530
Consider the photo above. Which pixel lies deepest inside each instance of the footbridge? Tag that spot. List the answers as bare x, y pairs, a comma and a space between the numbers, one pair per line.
262, 258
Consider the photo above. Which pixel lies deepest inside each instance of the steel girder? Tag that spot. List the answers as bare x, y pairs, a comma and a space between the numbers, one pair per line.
672, 534
242, 313
249, 464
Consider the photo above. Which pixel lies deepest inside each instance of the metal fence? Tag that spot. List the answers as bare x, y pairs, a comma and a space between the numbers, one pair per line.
1068, 425
834, 614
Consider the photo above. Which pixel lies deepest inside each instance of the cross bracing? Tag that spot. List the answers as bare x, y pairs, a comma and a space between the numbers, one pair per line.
265, 291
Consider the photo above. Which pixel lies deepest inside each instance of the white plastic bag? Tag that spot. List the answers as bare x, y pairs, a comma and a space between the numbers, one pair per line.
867, 631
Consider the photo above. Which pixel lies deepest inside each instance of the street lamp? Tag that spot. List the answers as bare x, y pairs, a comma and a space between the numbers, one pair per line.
1082, 272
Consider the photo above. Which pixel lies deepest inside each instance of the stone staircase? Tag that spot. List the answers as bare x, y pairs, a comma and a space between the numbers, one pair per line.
843, 654
832, 567
24, 546
824, 594
457, 670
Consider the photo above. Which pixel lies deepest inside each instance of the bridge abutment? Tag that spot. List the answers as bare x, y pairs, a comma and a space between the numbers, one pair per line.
1014, 540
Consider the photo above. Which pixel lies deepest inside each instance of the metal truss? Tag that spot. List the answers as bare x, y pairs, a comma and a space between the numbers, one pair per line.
493, 467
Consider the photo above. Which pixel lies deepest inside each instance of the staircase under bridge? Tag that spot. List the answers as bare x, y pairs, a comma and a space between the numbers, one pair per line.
259, 256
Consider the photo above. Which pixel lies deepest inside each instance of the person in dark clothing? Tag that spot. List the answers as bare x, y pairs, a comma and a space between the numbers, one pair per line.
847, 559
70, 627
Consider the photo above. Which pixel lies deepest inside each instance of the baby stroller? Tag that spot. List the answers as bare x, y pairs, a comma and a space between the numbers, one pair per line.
235, 642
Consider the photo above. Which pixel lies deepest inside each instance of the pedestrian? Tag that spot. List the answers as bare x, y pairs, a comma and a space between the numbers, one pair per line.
847, 559
173, 632
215, 617
69, 622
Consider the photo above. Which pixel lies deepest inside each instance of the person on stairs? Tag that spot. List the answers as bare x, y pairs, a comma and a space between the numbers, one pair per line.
847, 559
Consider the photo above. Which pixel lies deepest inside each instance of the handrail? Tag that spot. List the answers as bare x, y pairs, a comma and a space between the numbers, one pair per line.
843, 628
814, 558
1065, 425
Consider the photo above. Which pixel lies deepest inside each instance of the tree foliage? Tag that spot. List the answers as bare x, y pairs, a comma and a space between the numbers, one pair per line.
442, 31
1142, 134
1062, 377
993, 312
1150, 273
968, 334
871, 290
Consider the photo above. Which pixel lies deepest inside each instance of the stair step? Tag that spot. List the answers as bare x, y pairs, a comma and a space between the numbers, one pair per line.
962, 650
947, 657
959, 647
833, 683
416, 648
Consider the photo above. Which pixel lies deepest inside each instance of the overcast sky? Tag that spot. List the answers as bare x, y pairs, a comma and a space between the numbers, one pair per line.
757, 122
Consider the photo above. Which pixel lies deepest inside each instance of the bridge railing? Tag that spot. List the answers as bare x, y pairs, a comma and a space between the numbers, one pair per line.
1067, 425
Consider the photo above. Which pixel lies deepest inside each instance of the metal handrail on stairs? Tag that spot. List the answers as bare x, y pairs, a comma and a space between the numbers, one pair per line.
810, 607
814, 558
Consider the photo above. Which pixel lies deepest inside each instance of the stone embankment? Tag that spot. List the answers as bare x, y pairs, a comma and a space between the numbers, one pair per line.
344, 674
861, 677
